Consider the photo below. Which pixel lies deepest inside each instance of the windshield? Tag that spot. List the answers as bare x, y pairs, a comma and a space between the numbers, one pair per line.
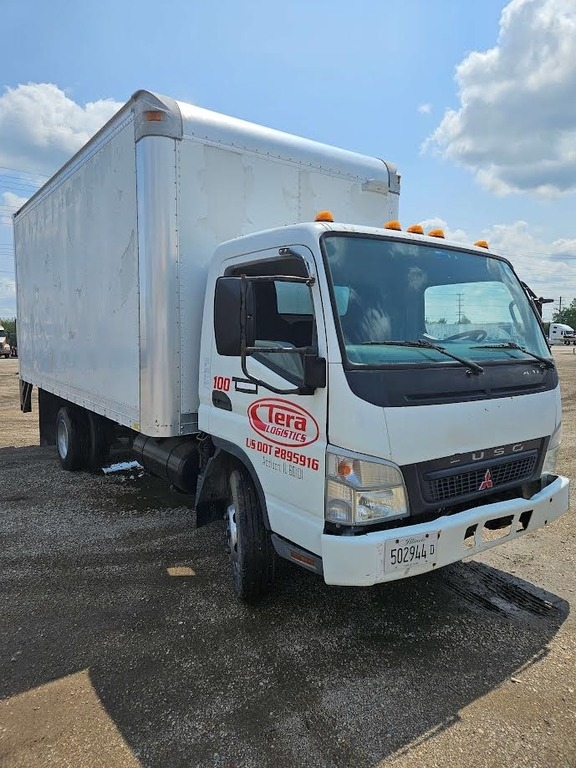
472, 305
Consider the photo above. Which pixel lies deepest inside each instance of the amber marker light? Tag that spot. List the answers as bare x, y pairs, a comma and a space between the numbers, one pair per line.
393, 225
481, 244
436, 233
324, 216
345, 468
416, 229
301, 558
153, 115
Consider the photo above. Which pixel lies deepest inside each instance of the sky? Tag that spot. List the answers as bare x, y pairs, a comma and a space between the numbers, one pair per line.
475, 102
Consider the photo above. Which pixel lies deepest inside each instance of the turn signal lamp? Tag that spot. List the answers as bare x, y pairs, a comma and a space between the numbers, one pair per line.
436, 233
153, 115
481, 244
416, 229
345, 468
393, 225
324, 216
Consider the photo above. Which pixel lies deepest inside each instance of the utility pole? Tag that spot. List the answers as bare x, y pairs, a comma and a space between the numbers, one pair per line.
459, 307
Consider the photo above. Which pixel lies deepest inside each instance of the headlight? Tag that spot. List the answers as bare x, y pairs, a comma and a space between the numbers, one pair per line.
360, 492
549, 466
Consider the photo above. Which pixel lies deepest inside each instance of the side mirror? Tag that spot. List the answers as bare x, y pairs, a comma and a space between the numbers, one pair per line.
314, 371
230, 318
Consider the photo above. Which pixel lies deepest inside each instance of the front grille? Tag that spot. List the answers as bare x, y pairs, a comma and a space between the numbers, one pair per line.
451, 487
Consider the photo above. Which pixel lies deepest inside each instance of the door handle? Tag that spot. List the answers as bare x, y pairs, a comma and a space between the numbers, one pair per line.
221, 400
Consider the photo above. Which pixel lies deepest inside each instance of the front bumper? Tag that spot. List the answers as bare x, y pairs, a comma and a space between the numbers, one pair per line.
360, 560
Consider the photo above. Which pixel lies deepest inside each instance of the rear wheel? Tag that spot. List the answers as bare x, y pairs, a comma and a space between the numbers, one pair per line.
251, 551
98, 441
70, 431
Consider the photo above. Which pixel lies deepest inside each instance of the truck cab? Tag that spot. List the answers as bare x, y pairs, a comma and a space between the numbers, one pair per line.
372, 445
5, 348
560, 333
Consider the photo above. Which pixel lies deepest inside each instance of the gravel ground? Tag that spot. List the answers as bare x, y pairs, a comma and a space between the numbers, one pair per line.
121, 644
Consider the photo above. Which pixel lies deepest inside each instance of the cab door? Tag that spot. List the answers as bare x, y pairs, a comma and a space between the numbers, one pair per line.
279, 433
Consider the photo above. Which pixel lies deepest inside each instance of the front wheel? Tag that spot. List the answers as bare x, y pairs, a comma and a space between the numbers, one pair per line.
251, 551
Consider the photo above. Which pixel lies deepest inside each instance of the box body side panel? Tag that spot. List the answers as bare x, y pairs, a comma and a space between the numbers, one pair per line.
223, 194
77, 281
373, 185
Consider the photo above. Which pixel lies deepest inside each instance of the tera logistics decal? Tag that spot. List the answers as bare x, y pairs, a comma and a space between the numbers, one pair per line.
288, 426
283, 422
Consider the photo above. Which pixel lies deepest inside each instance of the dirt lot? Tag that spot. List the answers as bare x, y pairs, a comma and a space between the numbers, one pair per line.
121, 644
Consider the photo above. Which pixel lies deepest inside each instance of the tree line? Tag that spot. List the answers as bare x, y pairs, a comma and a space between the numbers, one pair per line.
566, 315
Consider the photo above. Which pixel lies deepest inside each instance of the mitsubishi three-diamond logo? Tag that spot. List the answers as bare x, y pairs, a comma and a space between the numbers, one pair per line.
487, 482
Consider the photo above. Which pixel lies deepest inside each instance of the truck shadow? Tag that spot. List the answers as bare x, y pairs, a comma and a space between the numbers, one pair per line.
315, 675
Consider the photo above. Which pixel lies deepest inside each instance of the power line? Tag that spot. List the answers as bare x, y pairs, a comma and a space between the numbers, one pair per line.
22, 172
20, 183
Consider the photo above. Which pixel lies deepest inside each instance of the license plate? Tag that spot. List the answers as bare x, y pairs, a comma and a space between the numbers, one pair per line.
410, 551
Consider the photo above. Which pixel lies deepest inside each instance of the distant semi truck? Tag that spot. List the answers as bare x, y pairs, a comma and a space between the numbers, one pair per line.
560, 333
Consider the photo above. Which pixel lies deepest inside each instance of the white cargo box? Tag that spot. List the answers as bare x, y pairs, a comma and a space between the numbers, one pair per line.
112, 253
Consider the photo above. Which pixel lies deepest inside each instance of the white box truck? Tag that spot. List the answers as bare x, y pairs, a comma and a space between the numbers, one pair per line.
560, 333
176, 282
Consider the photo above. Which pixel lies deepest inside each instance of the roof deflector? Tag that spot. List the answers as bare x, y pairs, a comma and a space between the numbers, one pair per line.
156, 115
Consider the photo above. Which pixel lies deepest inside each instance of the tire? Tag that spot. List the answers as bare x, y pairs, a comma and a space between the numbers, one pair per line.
98, 441
251, 552
70, 438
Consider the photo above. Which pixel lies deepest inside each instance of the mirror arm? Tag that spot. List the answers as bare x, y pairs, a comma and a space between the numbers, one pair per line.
254, 380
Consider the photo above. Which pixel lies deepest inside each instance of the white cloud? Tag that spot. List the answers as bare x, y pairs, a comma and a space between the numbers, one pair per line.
12, 200
425, 109
456, 235
548, 267
7, 298
7, 288
9, 204
516, 124
41, 127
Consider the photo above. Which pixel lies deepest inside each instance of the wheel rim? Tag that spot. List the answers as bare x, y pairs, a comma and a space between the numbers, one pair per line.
232, 533
62, 439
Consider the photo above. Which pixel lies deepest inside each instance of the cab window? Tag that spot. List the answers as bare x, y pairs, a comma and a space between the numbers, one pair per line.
284, 316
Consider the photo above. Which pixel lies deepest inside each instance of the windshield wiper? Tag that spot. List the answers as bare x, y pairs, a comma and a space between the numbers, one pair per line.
422, 344
512, 345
